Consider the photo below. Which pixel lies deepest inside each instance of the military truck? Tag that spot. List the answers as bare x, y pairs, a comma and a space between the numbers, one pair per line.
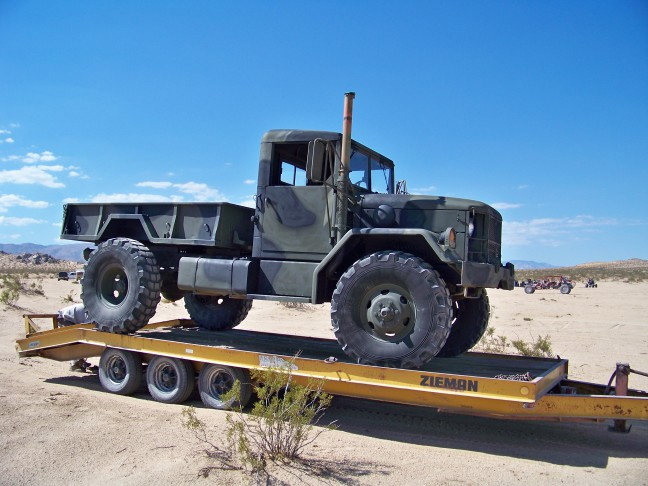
405, 274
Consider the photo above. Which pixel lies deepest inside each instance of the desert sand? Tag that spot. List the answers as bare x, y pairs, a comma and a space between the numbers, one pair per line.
60, 427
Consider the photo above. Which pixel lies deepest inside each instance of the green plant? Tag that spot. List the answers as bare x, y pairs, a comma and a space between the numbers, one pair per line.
540, 347
491, 343
281, 422
68, 298
11, 286
280, 425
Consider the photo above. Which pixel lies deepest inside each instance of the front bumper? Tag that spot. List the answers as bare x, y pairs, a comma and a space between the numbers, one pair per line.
488, 276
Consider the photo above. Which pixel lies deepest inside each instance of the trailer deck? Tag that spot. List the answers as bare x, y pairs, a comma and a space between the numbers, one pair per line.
474, 383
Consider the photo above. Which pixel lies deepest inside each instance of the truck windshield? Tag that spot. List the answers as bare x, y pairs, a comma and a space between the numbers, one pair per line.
369, 174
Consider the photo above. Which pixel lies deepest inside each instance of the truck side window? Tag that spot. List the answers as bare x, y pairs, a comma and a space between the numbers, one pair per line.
292, 175
289, 164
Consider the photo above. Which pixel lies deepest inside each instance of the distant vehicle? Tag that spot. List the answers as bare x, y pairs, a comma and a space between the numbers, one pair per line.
591, 283
63, 276
560, 282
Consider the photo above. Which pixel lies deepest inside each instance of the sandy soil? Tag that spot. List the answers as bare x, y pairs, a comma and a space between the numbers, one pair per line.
60, 427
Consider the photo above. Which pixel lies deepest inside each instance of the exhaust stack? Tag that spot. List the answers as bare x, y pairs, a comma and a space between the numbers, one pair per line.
342, 184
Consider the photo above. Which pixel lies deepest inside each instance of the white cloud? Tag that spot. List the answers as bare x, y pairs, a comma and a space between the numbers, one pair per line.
70, 200
199, 191
250, 203
33, 157
10, 221
10, 200
74, 173
7, 140
38, 175
553, 232
503, 205
249, 181
521, 187
429, 190
14, 125
5, 132
154, 184
131, 197
10, 158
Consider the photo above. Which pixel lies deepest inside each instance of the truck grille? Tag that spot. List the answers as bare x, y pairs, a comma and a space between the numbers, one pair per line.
485, 244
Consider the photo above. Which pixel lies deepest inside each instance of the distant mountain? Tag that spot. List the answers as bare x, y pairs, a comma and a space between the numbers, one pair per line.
72, 252
530, 265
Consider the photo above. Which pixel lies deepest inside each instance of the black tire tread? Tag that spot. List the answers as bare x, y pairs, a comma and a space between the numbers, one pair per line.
468, 328
416, 264
149, 285
227, 316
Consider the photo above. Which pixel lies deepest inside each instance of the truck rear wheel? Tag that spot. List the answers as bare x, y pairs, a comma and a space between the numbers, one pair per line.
216, 380
121, 286
470, 323
216, 313
391, 309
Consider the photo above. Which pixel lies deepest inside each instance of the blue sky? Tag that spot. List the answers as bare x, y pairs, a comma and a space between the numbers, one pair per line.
538, 108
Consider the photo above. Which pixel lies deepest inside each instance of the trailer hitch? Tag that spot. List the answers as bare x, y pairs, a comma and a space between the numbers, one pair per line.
620, 376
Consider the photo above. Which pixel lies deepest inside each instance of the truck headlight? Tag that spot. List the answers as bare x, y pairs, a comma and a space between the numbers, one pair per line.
448, 238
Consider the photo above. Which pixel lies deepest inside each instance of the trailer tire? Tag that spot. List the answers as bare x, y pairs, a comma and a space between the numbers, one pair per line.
120, 371
216, 380
216, 313
170, 380
470, 323
391, 309
121, 286
529, 289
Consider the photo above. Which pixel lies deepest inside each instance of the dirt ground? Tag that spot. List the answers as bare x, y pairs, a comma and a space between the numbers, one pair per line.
60, 427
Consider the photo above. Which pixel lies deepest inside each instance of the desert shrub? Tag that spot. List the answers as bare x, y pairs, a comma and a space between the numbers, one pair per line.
68, 298
539, 347
492, 343
295, 306
280, 425
10, 286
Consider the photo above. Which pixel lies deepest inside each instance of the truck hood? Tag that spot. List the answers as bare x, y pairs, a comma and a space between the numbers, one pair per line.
426, 203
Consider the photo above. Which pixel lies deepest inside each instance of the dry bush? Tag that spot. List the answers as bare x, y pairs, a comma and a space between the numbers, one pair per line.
496, 344
280, 425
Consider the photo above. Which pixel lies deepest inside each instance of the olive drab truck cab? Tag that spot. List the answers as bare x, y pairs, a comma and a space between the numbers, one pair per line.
405, 274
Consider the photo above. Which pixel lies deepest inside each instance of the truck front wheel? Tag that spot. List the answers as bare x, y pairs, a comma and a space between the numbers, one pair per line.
120, 288
391, 309
470, 322
216, 313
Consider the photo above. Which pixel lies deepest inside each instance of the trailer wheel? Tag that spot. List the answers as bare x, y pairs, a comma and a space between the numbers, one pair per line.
216, 313
216, 380
120, 371
529, 289
565, 289
121, 286
470, 323
391, 309
170, 380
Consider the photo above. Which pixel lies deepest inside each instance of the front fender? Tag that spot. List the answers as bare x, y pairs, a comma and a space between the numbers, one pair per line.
376, 239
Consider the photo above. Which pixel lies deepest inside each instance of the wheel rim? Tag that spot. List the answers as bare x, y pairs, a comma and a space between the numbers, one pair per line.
165, 377
220, 382
390, 312
113, 285
116, 369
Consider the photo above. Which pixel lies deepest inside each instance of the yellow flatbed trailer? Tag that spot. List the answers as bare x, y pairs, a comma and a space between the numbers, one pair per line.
475, 383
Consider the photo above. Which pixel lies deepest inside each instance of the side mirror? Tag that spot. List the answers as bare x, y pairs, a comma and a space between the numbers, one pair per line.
315, 161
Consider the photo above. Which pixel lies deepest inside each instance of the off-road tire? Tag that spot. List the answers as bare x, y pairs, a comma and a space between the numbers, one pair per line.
120, 371
216, 380
529, 289
216, 313
170, 380
121, 286
391, 309
470, 322
565, 289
